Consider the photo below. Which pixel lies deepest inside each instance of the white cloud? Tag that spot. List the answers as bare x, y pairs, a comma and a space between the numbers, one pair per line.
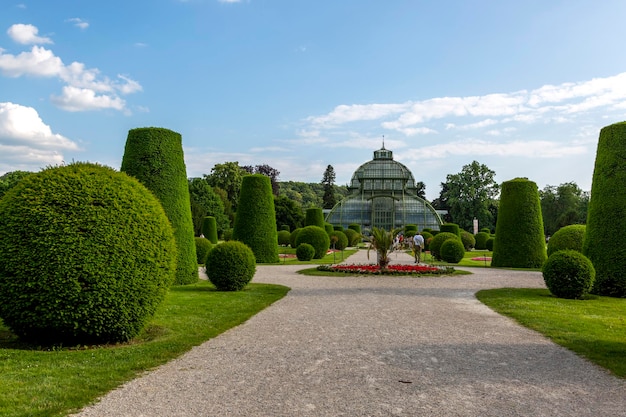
27, 35
39, 62
78, 22
81, 99
357, 112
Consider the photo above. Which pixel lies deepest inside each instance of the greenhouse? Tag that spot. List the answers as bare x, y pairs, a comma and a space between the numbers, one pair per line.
383, 195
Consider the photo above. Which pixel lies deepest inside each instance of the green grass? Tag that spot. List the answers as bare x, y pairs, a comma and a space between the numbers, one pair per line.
328, 259
39, 381
594, 328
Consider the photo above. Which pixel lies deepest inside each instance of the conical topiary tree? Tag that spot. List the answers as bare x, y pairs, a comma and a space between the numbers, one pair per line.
255, 223
520, 241
209, 229
155, 157
605, 216
314, 217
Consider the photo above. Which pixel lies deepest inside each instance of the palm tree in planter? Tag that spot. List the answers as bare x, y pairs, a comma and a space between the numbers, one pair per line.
382, 242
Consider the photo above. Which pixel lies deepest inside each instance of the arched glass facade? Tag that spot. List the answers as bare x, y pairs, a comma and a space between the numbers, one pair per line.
383, 195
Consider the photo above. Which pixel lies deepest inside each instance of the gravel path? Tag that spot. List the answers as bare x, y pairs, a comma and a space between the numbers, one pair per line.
375, 346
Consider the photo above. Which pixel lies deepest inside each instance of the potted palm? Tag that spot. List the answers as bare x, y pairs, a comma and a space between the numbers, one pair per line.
382, 242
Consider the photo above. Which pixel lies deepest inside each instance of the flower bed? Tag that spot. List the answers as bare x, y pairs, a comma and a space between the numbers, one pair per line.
374, 269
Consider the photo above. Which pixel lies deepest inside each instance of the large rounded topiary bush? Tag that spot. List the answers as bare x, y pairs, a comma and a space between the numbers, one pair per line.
155, 157
305, 252
568, 274
203, 247
452, 251
437, 241
568, 237
338, 240
230, 266
353, 237
468, 239
86, 255
356, 227
606, 219
255, 223
316, 237
520, 241
481, 240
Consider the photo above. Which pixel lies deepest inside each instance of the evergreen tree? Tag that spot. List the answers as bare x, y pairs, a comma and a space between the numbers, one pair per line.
328, 182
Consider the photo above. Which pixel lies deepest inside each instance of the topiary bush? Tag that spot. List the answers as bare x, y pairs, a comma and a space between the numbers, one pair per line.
329, 228
356, 227
452, 251
230, 266
305, 252
520, 241
353, 237
293, 236
314, 217
437, 241
86, 256
338, 228
410, 229
468, 240
606, 219
489, 244
450, 228
567, 237
285, 227
155, 157
485, 230
481, 240
316, 237
568, 274
340, 240
427, 239
203, 247
255, 223
209, 229
284, 238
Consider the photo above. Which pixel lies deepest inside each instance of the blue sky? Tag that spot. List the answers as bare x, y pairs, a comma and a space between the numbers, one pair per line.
522, 87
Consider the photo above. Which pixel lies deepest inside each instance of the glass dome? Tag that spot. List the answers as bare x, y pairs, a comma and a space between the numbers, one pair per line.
382, 193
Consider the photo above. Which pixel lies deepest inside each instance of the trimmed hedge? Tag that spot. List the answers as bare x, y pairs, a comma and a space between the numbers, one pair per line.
568, 274
356, 227
329, 228
450, 228
155, 157
293, 236
341, 240
339, 228
86, 256
606, 215
489, 244
520, 241
305, 252
481, 240
452, 251
353, 237
468, 240
284, 237
316, 237
427, 239
314, 217
203, 247
209, 229
437, 241
255, 223
285, 227
567, 237
230, 266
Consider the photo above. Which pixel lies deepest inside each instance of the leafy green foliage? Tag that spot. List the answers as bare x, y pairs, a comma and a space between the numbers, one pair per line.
87, 255
309, 194
338, 240
316, 237
606, 220
305, 252
288, 212
568, 237
155, 157
206, 202
10, 180
437, 241
228, 177
328, 182
209, 229
481, 240
255, 223
203, 247
520, 242
268, 171
314, 217
230, 266
568, 274
452, 251
284, 237
562, 206
468, 239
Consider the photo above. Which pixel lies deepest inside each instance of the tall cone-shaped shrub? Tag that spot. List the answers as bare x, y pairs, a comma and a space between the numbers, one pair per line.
209, 229
314, 217
520, 241
606, 215
155, 157
255, 223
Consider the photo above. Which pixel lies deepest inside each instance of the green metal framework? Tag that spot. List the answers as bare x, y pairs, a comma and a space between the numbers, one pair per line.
383, 195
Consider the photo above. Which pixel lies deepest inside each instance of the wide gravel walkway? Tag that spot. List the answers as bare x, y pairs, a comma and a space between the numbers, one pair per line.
375, 346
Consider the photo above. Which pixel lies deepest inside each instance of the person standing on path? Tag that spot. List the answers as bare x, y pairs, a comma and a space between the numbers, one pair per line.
418, 245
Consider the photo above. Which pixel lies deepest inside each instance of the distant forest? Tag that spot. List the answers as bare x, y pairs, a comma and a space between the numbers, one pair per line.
309, 194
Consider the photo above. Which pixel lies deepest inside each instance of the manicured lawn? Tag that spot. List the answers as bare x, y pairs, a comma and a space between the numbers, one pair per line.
467, 260
54, 381
594, 328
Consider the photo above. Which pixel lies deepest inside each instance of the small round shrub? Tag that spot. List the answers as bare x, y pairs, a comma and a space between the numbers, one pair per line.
353, 237
489, 244
203, 246
284, 237
450, 228
468, 240
87, 255
437, 241
452, 251
316, 237
293, 236
568, 237
230, 266
568, 274
481, 240
340, 239
356, 227
305, 252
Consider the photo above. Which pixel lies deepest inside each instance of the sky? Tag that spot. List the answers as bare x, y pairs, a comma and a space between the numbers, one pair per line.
523, 87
